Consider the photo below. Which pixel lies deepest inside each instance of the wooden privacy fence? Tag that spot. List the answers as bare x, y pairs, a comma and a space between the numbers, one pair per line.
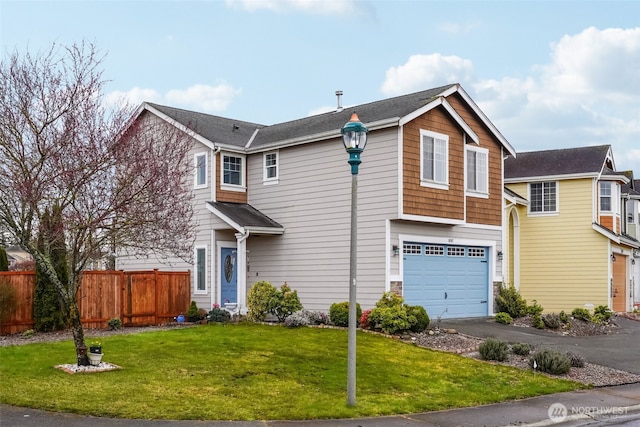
138, 298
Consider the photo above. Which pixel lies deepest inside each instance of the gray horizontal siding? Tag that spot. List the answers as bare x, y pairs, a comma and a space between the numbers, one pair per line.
312, 201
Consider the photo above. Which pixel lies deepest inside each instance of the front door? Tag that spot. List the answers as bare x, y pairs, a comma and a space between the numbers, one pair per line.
228, 276
618, 291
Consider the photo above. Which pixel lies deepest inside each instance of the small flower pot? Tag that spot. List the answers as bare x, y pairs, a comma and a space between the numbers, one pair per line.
95, 358
95, 349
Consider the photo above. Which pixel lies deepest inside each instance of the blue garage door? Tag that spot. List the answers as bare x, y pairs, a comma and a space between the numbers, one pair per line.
447, 280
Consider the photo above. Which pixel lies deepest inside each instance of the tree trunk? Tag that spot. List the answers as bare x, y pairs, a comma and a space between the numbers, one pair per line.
78, 334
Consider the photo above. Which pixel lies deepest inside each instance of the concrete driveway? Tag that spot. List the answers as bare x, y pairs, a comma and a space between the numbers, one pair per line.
620, 350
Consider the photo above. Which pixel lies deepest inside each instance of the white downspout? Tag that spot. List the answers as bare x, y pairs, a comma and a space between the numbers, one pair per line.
241, 239
213, 251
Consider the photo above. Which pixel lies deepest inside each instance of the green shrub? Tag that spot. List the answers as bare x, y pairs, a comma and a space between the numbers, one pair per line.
521, 348
504, 318
114, 323
421, 323
537, 321
494, 349
550, 361
218, 315
582, 314
576, 360
601, 314
551, 320
339, 313
510, 301
563, 317
391, 320
193, 314
284, 303
390, 299
534, 308
259, 300
4, 259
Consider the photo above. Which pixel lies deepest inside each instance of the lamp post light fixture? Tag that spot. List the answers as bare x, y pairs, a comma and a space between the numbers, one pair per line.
354, 138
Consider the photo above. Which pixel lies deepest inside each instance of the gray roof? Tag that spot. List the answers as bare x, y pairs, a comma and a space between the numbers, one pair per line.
569, 161
398, 107
216, 129
245, 215
238, 133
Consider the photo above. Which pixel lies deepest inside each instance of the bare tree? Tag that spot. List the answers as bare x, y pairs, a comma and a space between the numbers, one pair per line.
118, 182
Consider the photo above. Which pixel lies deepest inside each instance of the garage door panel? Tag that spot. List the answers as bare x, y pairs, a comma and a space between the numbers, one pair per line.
449, 281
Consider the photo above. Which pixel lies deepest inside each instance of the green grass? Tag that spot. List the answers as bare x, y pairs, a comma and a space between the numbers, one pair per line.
249, 372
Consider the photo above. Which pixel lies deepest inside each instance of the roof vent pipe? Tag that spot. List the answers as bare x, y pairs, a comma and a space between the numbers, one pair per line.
339, 96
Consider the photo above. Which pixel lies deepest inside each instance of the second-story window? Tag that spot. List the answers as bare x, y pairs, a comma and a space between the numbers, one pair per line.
270, 167
477, 170
606, 204
200, 161
609, 197
543, 197
232, 170
631, 211
434, 153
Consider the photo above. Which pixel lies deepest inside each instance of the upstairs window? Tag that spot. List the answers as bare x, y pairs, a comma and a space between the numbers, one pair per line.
477, 170
609, 197
434, 154
630, 211
232, 172
543, 197
200, 162
270, 167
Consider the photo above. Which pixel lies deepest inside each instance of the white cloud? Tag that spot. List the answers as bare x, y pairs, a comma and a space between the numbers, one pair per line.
424, 71
589, 94
204, 98
319, 7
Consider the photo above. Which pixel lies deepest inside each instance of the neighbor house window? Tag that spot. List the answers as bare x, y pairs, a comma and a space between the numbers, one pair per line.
200, 161
434, 152
606, 204
543, 197
270, 166
232, 170
201, 269
630, 211
477, 170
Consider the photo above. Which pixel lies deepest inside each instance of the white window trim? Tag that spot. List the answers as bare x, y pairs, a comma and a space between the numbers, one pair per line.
428, 182
233, 187
543, 213
195, 263
275, 179
614, 196
477, 193
195, 170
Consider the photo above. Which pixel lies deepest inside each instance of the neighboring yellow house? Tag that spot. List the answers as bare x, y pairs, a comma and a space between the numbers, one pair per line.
566, 244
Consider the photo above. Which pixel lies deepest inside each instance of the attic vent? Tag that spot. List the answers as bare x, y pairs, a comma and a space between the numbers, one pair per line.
235, 127
339, 96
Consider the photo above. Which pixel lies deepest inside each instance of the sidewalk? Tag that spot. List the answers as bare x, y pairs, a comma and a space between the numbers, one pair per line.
563, 409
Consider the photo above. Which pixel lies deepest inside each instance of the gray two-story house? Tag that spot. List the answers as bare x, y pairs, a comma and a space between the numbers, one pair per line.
273, 203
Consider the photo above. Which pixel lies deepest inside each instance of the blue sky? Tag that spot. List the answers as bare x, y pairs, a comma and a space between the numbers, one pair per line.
548, 74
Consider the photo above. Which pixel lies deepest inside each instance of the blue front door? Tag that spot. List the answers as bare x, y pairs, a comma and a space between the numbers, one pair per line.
228, 276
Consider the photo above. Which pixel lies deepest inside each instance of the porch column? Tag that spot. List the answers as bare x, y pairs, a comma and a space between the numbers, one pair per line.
241, 239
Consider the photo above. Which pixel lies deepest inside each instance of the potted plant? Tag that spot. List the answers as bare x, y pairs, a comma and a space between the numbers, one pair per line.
95, 353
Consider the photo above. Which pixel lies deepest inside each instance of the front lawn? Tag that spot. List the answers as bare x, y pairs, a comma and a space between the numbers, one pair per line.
253, 372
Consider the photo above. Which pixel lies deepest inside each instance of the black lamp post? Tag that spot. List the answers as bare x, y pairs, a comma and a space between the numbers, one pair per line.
354, 138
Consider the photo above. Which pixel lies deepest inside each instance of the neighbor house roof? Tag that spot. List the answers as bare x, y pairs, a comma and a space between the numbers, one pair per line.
228, 133
245, 218
581, 161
